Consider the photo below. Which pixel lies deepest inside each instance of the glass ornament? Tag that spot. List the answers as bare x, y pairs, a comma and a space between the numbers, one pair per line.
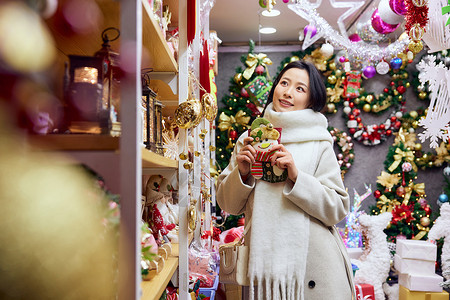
382, 67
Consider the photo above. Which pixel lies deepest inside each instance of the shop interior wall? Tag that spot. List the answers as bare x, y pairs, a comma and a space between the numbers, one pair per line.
369, 160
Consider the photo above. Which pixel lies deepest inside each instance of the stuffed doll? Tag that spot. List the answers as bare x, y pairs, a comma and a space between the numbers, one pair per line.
264, 138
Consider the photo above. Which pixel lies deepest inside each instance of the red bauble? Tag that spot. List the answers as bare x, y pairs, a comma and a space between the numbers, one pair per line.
392, 83
351, 104
386, 90
358, 119
365, 135
427, 209
232, 134
352, 130
382, 127
401, 89
388, 132
400, 191
398, 124
241, 222
393, 119
377, 194
356, 112
260, 70
375, 127
351, 117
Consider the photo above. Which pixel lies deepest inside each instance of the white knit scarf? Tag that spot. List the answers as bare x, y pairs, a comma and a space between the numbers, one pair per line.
280, 229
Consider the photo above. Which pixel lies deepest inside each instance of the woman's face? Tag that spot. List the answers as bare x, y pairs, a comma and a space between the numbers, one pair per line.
292, 91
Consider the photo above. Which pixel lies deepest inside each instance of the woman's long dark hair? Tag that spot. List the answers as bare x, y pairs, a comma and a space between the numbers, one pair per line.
317, 90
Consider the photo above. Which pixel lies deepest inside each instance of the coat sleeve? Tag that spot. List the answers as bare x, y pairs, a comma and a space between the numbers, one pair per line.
232, 194
322, 195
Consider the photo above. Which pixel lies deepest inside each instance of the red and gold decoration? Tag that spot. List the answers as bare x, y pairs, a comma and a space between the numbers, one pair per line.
416, 21
346, 154
398, 193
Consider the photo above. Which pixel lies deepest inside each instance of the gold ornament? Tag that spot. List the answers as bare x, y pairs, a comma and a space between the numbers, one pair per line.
294, 58
332, 66
367, 107
418, 147
331, 107
422, 95
416, 32
188, 114
188, 165
238, 78
419, 3
425, 221
197, 153
183, 156
369, 98
192, 216
338, 73
209, 106
332, 79
375, 108
415, 47
413, 114
212, 148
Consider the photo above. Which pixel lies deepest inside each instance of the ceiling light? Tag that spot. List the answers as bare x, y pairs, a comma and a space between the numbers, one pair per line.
272, 13
267, 30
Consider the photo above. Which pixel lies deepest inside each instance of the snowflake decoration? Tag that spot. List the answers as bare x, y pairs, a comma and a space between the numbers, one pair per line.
436, 122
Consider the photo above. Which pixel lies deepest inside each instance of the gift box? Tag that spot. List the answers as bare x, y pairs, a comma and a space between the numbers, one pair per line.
423, 283
416, 250
364, 292
258, 90
415, 266
406, 294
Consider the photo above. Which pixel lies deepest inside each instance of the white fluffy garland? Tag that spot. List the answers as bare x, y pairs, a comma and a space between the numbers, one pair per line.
374, 266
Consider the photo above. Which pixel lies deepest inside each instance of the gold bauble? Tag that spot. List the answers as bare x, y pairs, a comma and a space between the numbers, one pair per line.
402, 36
395, 93
238, 77
422, 95
414, 114
357, 101
338, 73
415, 47
407, 85
419, 3
331, 107
425, 221
209, 106
351, 155
192, 216
369, 98
202, 136
367, 107
183, 156
332, 66
197, 153
188, 114
212, 148
329, 90
331, 79
415, 124
405, 76
187, 165
375, 108
294, 58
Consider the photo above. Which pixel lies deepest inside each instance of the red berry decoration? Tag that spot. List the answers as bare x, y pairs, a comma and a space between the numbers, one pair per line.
377, 194
388, 132
401, 89
232, 134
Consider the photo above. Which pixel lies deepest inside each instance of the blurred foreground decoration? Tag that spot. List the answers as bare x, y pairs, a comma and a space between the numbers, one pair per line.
55, 242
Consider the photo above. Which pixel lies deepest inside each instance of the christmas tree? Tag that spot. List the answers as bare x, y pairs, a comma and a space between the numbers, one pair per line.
248, 92
396, 192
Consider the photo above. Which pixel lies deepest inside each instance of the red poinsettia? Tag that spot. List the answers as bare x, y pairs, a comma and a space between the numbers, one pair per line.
402, 212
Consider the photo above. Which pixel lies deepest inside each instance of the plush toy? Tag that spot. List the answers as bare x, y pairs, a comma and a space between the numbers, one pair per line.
264, 138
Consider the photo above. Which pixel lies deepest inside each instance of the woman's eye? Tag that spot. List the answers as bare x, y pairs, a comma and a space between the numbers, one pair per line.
300, 89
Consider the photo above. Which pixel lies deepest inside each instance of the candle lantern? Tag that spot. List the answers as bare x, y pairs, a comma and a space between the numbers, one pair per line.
111, 79
84, 89
152, 117
92, 91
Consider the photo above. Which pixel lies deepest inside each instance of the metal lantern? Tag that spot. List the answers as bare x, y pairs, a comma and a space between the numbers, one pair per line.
111, 79
152, 117
84, 89
92, 91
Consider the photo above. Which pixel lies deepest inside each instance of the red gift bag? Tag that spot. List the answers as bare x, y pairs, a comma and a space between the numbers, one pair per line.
365, 292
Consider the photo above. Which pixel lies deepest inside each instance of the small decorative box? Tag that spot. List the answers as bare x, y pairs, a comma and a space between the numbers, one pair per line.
406, 294
364, 292
423, 283
416, 250
415, 266
259, 89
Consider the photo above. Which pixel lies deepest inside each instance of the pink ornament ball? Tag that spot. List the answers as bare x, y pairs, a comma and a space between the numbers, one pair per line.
369, 71
285, 1
380, 26
342, 59
354, 38
398, 6
310, 28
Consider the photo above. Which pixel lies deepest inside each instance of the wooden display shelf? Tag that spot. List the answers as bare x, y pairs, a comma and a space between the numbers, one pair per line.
153, 160
153, 40
75, 142
153, 289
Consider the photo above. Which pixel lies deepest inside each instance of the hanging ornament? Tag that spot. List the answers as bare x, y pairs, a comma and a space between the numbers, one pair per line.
327, 50
398, 6
369, 71
400, 191
209, 107
425, 221
192, 216
188, 114
382, 67
406, 167
232, 134
244, 93
396, 63
259, 70
381, 26
377, 194
387, 14
310, 28
238, 78
443, 198
446, 171
354, 38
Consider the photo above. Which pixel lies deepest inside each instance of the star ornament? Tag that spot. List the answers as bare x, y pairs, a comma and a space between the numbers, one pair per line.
353, 7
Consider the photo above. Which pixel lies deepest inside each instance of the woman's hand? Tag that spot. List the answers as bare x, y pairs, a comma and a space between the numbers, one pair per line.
246, 157
283, 159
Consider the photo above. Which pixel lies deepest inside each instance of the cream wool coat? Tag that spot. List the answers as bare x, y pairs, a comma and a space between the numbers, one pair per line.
319, 192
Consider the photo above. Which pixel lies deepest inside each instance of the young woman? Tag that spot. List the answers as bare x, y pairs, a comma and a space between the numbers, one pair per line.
295, 250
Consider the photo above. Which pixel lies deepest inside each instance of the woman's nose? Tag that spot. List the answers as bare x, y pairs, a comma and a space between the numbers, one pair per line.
288, 92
